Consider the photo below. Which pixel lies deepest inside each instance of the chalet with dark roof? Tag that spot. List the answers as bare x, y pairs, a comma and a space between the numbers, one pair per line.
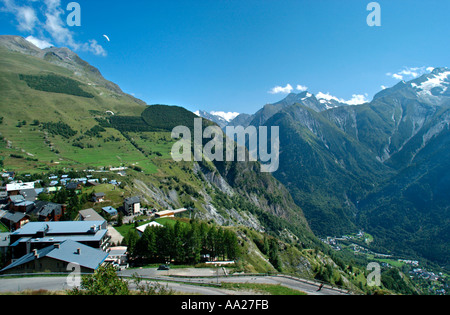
47, 211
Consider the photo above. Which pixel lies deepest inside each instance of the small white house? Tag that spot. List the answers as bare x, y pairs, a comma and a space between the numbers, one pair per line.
142, 228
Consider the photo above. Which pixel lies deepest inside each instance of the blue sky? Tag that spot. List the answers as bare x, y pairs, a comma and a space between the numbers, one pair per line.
231, 55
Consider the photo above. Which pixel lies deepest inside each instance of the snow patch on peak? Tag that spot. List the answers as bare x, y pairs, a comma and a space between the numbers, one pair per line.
434, 81
357, 99
308, 95
324, 97
228, 116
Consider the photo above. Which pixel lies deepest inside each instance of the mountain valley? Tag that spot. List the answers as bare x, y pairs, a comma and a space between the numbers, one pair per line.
381, 167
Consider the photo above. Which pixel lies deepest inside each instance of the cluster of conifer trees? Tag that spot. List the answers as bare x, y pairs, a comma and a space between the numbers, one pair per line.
183, 243
55, 84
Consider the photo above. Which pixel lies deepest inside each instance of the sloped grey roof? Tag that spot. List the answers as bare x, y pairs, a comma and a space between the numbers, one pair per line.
17, 198
13, 216
29, 194
45, 208
28, 258
88, 257
132, 200
90, 215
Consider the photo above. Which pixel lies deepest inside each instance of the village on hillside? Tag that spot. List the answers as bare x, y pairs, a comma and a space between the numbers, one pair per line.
44, 227
359, 245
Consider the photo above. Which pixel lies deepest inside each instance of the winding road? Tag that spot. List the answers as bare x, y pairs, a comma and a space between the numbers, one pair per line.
178, 281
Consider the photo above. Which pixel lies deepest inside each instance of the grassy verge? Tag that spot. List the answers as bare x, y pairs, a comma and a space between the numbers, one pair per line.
34, 292
269, 289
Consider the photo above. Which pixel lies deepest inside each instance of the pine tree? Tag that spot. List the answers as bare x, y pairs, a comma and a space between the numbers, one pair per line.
231, 245
131, 240
274, 259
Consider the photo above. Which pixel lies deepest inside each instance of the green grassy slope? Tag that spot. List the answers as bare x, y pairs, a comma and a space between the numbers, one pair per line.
21, 103
52, 125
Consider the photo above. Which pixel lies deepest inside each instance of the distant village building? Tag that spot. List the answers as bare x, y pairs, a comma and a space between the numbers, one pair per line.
74, 186
13, 220
98, 197
8, 175
169, 213
92, 182
132, 206
47, 211
110, 211
15, 188
115, 169
17, 203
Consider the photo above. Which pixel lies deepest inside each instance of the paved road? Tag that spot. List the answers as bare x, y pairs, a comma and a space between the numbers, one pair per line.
209, 276
173, 280
59, 284
34, 284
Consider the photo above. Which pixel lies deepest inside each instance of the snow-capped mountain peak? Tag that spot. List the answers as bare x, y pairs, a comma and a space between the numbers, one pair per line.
432, 88
228, 116
433, 84
219, 117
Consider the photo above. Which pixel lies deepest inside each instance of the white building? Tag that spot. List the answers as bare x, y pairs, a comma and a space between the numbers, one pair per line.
19, 186
141, 229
